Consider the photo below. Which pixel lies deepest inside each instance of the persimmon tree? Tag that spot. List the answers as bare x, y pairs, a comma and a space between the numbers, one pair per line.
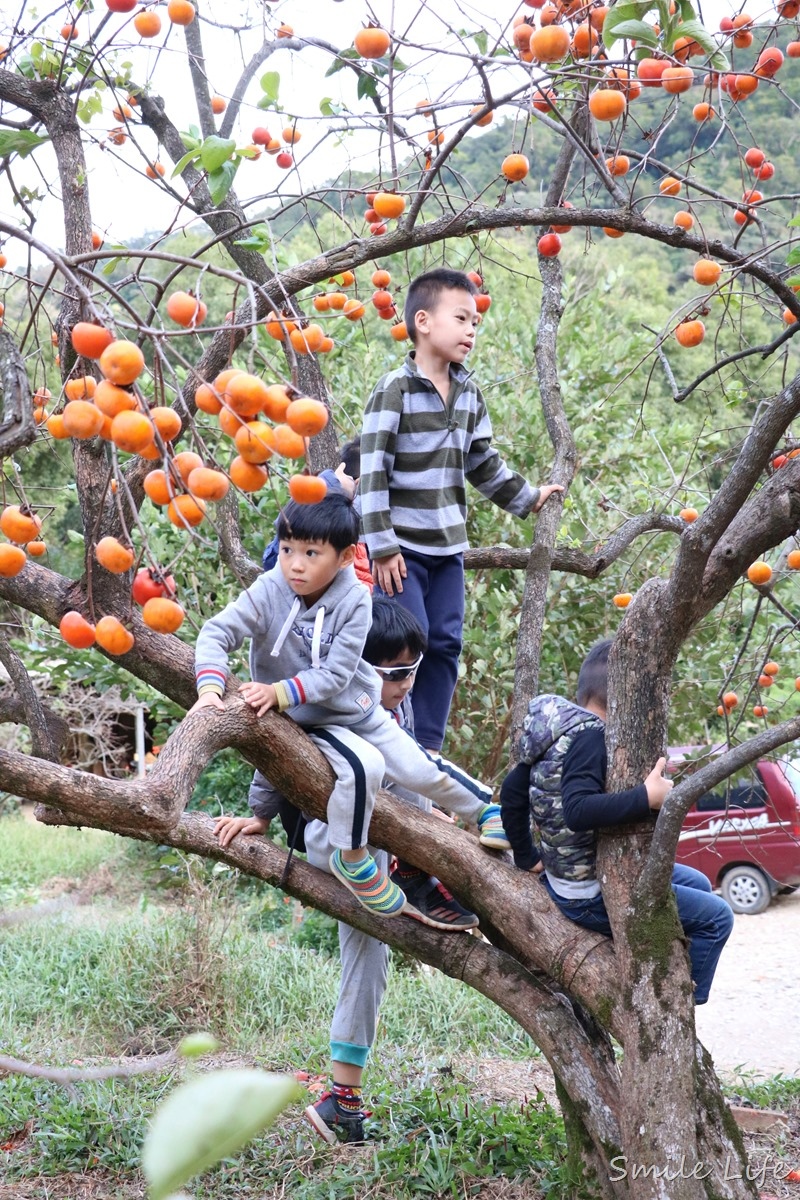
169, 404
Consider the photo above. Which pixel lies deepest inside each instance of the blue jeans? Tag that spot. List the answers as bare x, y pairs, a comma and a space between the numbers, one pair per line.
707, 921
434, 593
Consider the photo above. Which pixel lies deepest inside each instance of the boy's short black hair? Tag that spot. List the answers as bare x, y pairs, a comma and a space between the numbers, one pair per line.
425, 290
332, 519
394, 630
350, 455
593, 675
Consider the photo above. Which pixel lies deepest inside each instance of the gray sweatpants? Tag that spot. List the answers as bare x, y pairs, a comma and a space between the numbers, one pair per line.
363, 958
361, 756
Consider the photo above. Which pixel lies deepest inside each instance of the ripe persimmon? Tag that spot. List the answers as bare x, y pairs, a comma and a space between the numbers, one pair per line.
147, 24
760, 710
706, 272
622, 599
690, 333
650, 70
13, 559
669, 186
147, 584
703, 112
230, 422
185, 309
337, 301
90, 340
245, 394
515, 167
114, 555
208, 484
486, 119
765, 681
76, 630
180, 12
218, 105
759, 572
112, 636
793, 560
122, 362
307, 416
689, 515
82, 419
247, 477
550, 43
372, 42
255, 441
389, 204
276, 402
132, 432
184, 463
620, 164
186, 511
55, 426
353, 309
399, 331
677, 79
163, 615
166, 421
730, 700
80, 389
307, 489
771, 669
159, 487
288, 443
206, 399
111, 399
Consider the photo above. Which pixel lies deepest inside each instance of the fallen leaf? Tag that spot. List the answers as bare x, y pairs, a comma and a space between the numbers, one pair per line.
18, 1137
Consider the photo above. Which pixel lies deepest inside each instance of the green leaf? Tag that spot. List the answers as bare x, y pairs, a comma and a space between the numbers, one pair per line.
195, 1044
208, 1119
794, 221
190, 156
793, 257
481, 40
74, 536
20, 141
341, 60
639, 30
695, 30
366, 86
328, 108
270, 85
221, 181
215, 151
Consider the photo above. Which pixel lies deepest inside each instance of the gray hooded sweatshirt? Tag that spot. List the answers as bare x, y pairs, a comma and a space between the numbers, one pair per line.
311, 654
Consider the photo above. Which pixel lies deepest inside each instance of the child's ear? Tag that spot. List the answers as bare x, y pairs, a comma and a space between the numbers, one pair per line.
421, 319
347, 557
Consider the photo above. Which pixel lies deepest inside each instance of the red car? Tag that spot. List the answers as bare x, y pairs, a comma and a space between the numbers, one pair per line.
745, 836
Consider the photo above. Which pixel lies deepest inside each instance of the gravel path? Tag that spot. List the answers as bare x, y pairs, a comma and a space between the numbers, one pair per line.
750, 1022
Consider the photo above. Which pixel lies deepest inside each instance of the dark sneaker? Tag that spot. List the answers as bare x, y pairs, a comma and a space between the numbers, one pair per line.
432, 903
335, 1123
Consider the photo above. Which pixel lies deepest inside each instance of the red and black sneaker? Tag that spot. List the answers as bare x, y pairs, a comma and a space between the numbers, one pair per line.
432, 903
334, 1122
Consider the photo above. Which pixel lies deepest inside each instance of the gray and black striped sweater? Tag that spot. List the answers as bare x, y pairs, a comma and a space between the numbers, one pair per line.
417, 454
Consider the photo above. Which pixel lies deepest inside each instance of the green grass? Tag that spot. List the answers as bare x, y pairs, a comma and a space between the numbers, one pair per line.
33, 854
133, 972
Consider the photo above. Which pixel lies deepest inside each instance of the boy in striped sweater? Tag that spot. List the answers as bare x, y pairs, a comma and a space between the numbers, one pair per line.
307, 620
426, 432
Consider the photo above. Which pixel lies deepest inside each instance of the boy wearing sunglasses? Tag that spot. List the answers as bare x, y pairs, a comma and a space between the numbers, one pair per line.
395, 645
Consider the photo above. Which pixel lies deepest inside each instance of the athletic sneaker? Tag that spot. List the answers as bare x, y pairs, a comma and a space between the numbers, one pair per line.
432, 903
335, 1123
490, 824
373, 890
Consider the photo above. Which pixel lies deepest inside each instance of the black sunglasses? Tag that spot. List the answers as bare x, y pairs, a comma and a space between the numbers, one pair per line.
398, 674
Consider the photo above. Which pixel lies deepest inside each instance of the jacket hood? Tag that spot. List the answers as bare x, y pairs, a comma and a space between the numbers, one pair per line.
548, 719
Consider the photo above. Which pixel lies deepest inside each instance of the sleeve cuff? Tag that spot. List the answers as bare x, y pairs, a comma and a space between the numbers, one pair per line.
283, 697
209, 689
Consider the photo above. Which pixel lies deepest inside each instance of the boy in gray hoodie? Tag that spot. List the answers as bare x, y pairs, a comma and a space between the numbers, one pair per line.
307, 620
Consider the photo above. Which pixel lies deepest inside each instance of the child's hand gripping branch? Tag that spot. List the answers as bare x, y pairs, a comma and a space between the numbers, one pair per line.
656, 786
227, 828
545, 492
260, 696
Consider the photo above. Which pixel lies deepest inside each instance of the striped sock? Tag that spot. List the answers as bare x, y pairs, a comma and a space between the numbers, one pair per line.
374, 890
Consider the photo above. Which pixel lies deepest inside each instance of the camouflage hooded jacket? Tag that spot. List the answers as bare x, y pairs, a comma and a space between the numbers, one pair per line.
549, 729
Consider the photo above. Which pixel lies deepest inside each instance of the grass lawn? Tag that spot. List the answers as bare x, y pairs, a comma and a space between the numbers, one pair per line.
151, 949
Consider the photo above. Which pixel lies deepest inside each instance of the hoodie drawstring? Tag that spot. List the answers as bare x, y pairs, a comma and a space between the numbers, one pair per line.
287, 625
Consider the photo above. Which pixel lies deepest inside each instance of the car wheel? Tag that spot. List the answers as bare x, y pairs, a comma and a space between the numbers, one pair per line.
746, 889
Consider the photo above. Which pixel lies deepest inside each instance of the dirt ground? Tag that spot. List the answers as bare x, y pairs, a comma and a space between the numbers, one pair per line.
750, 1022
